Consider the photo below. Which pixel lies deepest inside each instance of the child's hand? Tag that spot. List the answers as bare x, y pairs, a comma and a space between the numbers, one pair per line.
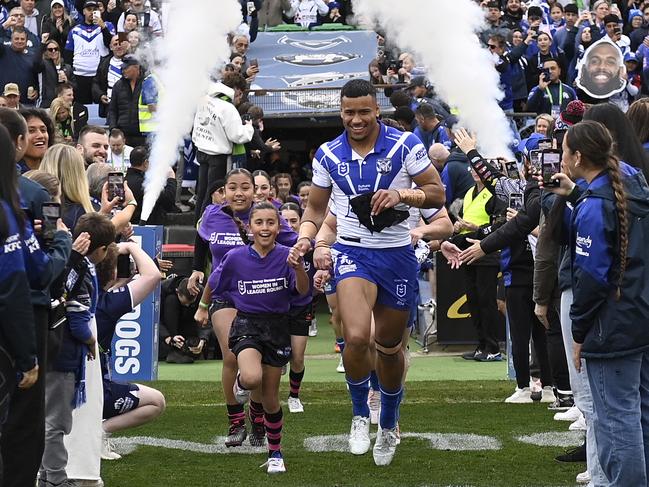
82, 243
295, 259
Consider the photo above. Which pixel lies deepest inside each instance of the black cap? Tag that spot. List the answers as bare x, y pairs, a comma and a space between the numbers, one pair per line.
129, 61
571, 8
90, 4
418, 81
611, 18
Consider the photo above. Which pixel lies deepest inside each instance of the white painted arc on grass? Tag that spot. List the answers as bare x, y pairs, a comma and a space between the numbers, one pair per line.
562, 439
340, 443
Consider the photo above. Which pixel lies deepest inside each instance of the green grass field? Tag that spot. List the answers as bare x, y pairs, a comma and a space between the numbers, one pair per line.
445, 395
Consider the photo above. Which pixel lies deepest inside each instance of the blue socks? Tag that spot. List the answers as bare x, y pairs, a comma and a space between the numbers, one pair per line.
374, 381
341, 344
390, 401
359, 390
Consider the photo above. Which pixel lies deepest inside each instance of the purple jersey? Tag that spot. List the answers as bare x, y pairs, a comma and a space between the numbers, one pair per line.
221, 233
254, 284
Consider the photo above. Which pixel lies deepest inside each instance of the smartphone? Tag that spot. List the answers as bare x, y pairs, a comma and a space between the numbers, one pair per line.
545, 144
546, 74
550, 165
123, 266
516, 201
254, 63
251, 7
115, 186
535, 160
511, 168
246, 117
51, 213
96, 14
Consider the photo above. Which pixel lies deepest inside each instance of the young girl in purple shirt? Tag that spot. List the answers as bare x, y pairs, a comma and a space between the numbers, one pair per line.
260, 283
218, 234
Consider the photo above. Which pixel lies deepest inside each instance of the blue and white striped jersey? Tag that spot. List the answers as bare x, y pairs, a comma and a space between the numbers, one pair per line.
397, 158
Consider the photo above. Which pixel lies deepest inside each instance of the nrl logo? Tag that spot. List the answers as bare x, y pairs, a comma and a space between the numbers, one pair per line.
312, 44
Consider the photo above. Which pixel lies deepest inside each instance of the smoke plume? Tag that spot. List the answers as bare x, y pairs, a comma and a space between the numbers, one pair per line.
441, 35
194, 44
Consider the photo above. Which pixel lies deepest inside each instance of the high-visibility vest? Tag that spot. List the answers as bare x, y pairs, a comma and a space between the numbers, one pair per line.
474, 209
147, 122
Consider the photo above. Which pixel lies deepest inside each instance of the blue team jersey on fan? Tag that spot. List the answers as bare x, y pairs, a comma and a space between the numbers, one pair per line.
397, 158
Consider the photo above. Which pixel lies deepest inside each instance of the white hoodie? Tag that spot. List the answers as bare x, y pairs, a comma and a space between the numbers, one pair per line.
217, 124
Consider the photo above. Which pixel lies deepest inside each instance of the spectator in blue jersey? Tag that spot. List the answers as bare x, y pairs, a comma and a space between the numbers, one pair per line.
21, 66
109, 72
18, 361
551, 95
430, 129
497, 46
123, 110
126, 405
88, 43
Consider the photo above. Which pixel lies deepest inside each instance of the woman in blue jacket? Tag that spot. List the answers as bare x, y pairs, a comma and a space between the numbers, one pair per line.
609, 228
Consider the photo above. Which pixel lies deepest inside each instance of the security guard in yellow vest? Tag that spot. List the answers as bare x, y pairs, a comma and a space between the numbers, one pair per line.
152, 89
480, 209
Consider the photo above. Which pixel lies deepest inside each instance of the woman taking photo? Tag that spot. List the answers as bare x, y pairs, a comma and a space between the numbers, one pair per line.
610, 308
58, 24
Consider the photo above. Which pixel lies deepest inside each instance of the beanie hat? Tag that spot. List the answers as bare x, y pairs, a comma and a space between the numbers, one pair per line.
573, 113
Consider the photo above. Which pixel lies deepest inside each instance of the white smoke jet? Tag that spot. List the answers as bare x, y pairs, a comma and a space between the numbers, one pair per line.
189, 58
441, 34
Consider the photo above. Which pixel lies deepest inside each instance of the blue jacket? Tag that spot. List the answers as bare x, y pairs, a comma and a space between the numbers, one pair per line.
17, 333
456, 177
81, 303
608, 327
42, 268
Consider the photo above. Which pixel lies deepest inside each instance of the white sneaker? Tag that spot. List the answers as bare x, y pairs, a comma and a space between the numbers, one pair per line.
241, 395
385, 446
359, 436
341, 366
571, 415
274, 464
548, 395
107, 452
583, 478
295, 405
520, 396
374, 402
579, 425
313, 328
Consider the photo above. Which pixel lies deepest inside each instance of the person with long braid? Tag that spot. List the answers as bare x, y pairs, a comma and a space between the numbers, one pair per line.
609, 227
